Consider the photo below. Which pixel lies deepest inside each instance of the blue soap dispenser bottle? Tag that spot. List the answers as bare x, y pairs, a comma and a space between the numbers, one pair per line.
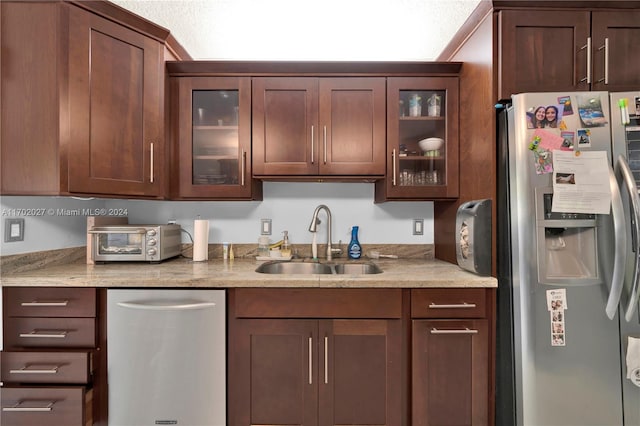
355, 251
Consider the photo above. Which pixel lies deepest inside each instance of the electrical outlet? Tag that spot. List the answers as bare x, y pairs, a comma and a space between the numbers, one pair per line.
265, 226
13, 230
418, 226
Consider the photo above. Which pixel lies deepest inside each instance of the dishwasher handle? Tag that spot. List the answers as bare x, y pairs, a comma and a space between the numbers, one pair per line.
167, 306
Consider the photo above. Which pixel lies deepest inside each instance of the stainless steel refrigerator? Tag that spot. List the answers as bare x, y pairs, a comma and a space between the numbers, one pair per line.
568, 227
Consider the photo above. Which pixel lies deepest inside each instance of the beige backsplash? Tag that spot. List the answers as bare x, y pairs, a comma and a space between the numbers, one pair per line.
247, 251
36, 260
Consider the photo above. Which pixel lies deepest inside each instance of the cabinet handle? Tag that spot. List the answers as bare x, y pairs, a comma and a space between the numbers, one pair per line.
393, 162
51, 303
605, 46
310, 360
326, 360
151, 163
312, 145
48, 334
456, 331
17, 407
27, 370
588, 47
325, 144
242, 165
463, 305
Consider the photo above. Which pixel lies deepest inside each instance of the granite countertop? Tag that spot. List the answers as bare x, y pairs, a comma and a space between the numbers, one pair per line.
218, 273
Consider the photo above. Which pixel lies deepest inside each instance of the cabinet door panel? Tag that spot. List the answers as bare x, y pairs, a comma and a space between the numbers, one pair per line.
276, 378
622, 31
115, 108
361, 374
285, 140
213, 138
413, 174
450, 372
352, 120
541, 51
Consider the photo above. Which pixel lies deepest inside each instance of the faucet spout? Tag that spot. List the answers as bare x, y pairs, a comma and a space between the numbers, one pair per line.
314, 227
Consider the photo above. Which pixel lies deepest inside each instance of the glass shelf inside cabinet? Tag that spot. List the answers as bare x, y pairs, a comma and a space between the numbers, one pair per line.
422, 116
215, 137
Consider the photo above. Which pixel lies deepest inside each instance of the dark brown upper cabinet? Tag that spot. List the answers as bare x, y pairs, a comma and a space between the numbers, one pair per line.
421, 108
116, 76
309, 127
211, 123
568, 50
82, 101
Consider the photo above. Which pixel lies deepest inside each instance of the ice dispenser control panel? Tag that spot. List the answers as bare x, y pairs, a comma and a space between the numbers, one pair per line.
549, 215
566, 244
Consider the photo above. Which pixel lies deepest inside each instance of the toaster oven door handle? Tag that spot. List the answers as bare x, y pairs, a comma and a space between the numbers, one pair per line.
117, 231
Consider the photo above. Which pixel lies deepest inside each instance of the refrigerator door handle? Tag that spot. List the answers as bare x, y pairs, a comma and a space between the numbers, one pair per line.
620, 245
623, 169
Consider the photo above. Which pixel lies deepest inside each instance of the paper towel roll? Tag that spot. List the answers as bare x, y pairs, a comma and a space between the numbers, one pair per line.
200, 240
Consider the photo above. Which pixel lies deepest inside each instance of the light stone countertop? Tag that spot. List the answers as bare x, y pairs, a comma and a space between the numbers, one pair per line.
217, 273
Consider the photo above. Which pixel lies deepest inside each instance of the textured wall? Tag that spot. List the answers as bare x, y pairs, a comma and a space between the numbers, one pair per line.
375, 30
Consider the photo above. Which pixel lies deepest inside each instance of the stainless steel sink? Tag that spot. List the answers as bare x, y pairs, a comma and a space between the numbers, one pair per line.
357, 268
279, 267
294, 268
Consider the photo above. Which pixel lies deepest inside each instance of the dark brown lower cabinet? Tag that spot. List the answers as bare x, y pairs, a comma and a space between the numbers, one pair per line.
37, 406
450, 372
329, 371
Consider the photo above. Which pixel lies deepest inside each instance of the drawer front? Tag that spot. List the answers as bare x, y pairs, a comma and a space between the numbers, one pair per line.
49, 302
49, 333
44, 367
318, 303
69, 406
449, 303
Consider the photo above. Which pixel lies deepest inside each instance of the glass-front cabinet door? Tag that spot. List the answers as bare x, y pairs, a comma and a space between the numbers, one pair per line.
213, 143
422, 139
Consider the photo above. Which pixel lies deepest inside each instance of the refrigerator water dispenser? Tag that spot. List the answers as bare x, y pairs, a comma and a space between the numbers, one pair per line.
473, 236
566, 244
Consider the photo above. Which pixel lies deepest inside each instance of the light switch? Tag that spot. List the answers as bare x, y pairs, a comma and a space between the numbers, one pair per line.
265, 226
418, 226
13, 230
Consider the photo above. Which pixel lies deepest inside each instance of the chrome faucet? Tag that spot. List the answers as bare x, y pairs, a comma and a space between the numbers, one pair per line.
314, 226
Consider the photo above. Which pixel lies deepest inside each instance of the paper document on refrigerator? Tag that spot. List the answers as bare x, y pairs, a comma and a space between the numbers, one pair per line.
581, 182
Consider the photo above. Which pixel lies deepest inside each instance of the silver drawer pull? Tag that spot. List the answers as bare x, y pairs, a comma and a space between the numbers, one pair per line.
326, 360
310, 360
49, 303
19, 407
27, 370
456, 331
463, 305
48, 334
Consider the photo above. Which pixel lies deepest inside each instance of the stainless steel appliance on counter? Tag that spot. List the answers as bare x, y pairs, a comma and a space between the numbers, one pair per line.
130, 243
473, 236
568, 246
166, 357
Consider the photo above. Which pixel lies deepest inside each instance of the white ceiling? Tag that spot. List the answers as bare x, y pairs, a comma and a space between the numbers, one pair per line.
367, 30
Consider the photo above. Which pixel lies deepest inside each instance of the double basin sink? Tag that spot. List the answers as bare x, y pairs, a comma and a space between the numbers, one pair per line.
280, 267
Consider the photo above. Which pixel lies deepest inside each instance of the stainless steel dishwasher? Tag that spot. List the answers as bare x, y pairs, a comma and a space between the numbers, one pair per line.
166, 357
